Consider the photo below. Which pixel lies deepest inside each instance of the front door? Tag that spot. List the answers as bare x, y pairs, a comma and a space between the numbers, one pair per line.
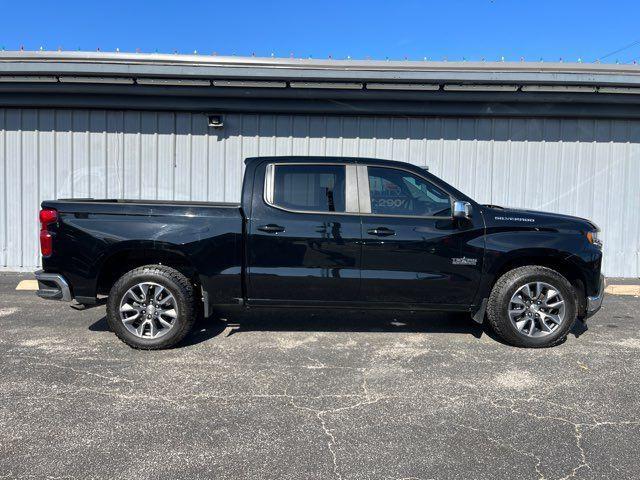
414, 252
304, 235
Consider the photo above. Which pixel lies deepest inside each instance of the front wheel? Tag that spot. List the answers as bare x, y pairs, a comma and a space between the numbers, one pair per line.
151, 307
532, 306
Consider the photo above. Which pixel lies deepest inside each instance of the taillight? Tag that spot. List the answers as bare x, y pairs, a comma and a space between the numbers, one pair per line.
47, 216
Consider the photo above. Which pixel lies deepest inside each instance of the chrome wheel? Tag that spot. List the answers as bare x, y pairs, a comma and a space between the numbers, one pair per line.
148, 310
537, 309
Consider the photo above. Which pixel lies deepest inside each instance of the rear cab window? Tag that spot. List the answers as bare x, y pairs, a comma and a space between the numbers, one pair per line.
308, 188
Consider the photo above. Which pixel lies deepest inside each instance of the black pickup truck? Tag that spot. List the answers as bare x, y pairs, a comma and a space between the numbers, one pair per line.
325, 232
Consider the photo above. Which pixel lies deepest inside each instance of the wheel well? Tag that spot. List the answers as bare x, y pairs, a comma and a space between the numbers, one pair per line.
568, 271
121, 262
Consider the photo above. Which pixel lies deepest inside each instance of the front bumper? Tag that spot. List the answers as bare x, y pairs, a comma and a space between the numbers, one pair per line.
594, 303
53, 286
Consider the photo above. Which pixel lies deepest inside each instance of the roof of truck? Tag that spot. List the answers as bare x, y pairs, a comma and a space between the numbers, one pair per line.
322, 159
422, 170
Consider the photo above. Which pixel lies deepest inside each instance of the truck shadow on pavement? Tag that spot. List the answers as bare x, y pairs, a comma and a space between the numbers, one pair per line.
344, 321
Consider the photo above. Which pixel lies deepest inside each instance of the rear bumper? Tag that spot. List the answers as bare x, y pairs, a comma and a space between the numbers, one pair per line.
53, 286
594, 303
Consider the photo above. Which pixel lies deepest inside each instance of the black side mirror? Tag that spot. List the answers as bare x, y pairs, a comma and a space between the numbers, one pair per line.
462, 210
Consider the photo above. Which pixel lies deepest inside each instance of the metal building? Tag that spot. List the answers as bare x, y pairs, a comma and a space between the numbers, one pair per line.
557, 137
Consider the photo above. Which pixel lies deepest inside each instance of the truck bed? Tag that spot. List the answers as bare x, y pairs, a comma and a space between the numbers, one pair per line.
92, 233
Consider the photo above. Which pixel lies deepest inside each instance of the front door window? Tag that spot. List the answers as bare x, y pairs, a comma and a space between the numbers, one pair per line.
398, 192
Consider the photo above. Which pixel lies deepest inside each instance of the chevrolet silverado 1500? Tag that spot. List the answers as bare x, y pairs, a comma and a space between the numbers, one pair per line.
324, 232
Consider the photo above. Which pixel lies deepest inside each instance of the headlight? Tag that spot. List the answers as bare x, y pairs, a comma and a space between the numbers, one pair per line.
594, 239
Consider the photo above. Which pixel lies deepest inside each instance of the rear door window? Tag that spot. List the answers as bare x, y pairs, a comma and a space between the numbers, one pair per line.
309, 188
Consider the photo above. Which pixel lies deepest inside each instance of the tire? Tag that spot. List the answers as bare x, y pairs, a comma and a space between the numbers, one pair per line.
519, 321
163, 318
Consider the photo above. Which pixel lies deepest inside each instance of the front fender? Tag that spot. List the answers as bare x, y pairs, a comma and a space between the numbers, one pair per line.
506, 250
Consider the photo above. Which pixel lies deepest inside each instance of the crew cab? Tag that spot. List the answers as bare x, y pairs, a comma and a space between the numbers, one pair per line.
327, 232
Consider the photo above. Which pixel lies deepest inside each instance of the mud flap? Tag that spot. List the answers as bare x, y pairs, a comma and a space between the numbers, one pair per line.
206, 307
478, 317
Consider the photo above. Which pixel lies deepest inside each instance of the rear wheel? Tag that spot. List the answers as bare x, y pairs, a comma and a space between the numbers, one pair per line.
532, 306
151, 307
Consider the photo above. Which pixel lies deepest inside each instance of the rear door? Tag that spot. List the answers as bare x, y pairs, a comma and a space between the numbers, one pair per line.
414, 252
304, 234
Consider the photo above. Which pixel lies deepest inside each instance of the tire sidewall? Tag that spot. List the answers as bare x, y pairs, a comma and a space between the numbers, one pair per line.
148, 275
555, 280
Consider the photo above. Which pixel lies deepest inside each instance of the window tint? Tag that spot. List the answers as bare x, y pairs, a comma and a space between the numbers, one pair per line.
396, 192
319, 188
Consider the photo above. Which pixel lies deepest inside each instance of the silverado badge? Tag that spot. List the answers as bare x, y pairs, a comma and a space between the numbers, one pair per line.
464, 261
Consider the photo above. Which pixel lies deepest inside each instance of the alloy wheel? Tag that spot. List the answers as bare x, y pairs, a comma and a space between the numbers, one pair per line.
148, 310
537, 309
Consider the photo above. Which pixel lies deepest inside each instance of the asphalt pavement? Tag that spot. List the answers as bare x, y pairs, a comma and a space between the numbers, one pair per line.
315, 395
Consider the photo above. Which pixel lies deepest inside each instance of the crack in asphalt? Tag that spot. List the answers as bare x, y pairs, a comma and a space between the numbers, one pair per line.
577, 427
112, 379
488, 436
331, 440
583, 456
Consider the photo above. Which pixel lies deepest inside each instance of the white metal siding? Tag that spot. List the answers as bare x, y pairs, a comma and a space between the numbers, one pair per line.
589, 168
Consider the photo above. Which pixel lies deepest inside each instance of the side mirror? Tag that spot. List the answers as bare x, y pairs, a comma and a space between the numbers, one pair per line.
462, 210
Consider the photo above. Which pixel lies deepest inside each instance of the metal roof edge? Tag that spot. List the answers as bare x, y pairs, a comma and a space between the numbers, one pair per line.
308, 63
133, 65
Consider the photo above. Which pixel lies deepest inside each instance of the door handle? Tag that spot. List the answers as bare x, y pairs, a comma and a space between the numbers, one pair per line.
381, 232
271, 228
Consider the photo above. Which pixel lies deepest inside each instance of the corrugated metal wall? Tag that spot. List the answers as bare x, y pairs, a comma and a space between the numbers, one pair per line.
589, 168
